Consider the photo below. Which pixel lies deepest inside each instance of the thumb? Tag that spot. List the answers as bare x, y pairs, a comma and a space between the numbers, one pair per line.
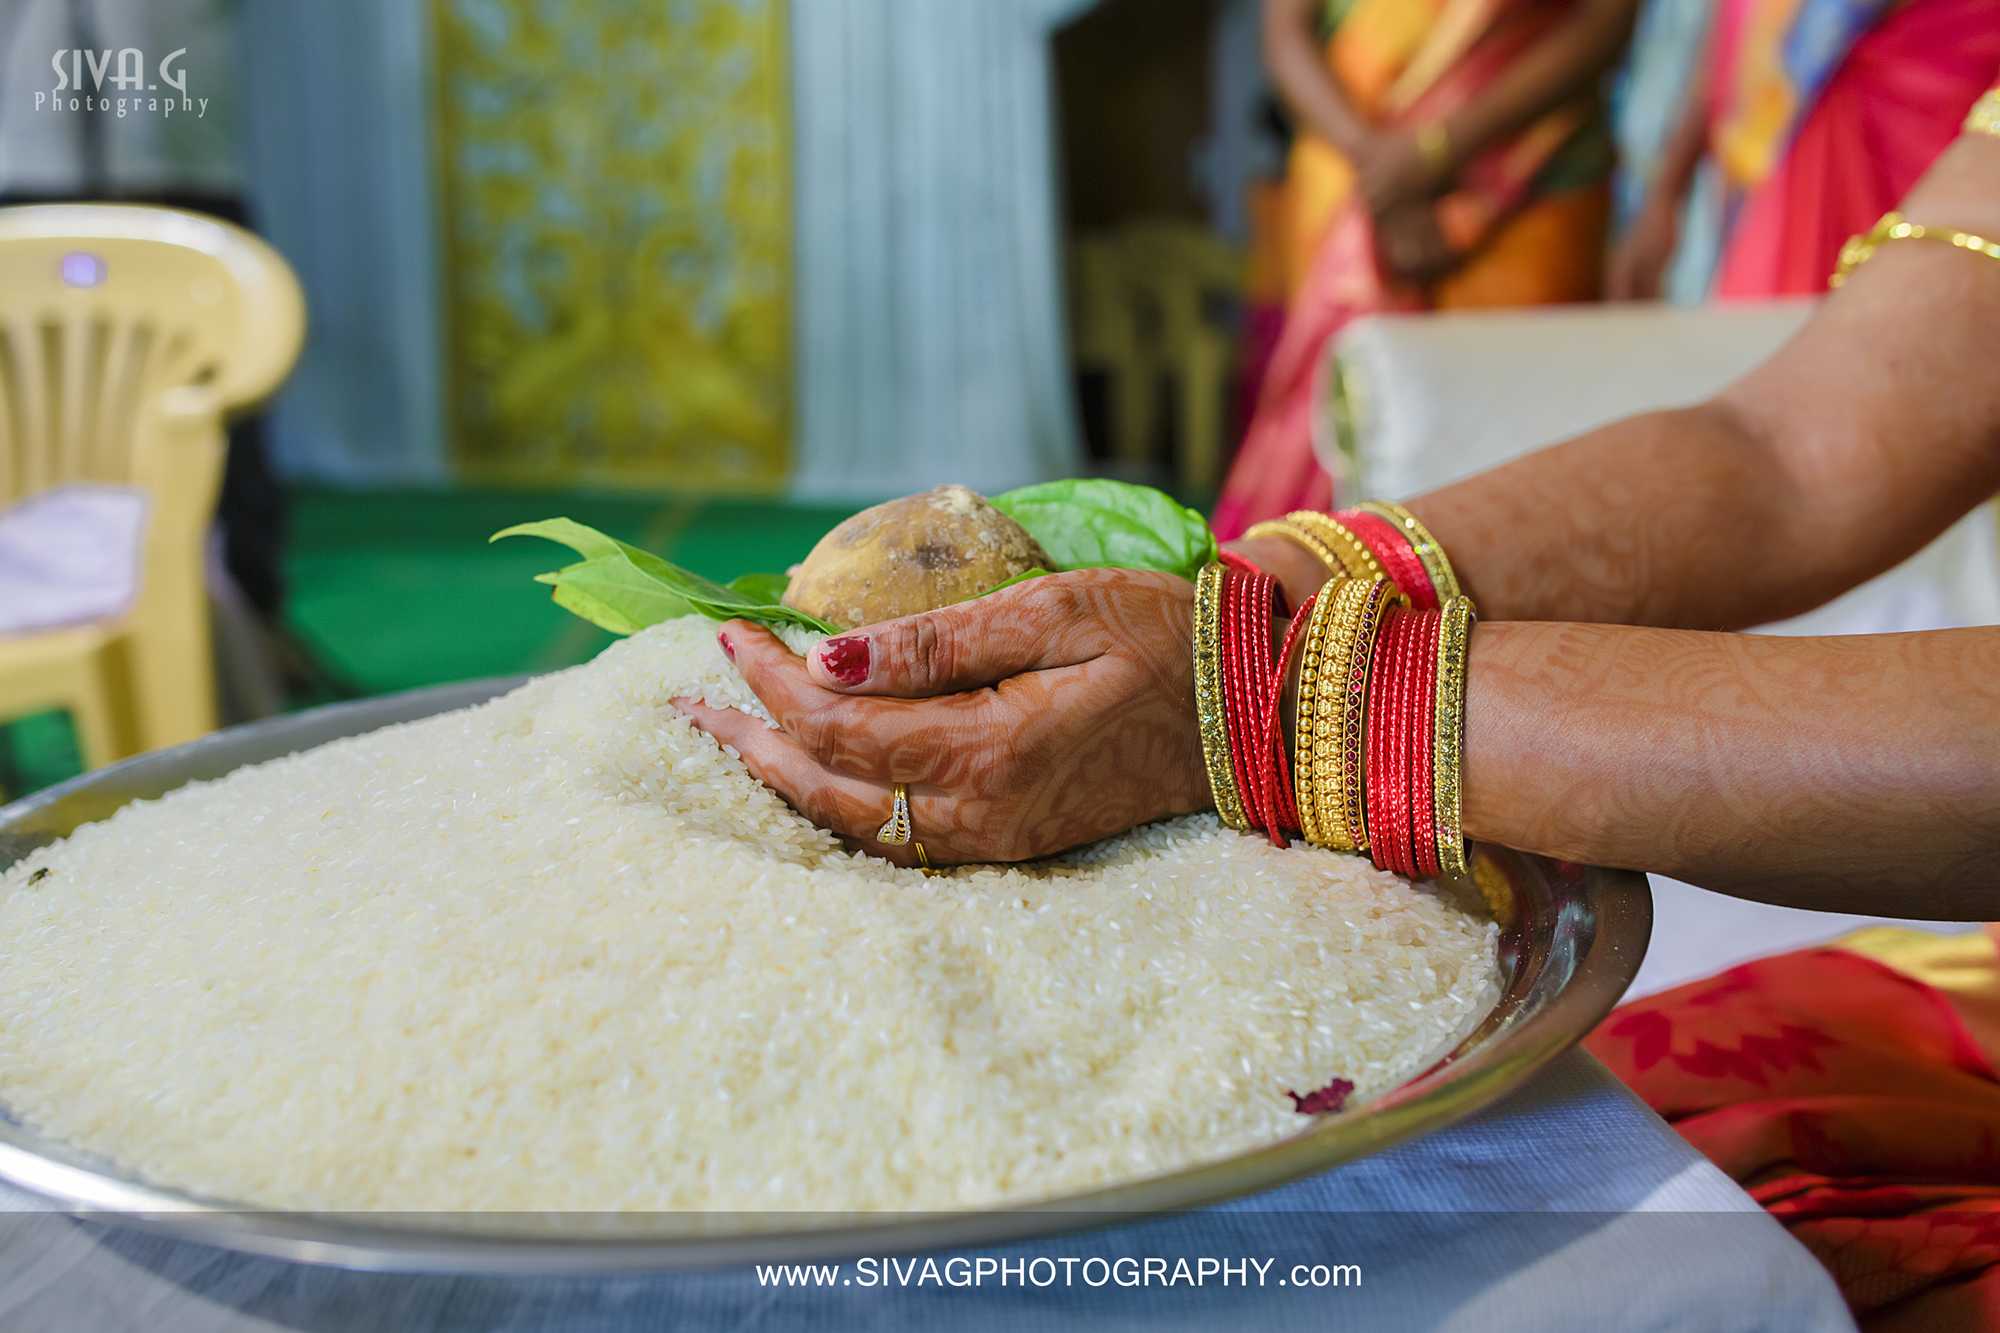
1029, 627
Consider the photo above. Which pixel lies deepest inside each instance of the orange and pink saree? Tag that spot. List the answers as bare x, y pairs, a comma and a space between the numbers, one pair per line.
1529, 214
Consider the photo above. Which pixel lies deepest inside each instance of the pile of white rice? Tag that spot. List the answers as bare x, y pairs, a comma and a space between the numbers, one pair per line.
562, 952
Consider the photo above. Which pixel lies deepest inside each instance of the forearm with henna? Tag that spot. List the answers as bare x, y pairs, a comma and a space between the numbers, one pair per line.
1860, 441
1856, 774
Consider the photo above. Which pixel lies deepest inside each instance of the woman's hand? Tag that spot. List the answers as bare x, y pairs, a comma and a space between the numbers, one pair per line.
1035, 719
1412, 246
1391, 171
1637, 267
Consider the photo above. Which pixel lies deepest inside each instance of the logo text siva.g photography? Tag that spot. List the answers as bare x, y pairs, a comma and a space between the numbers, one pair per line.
120, 82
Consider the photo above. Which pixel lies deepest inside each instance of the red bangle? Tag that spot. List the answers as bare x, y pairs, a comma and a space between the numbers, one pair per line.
1245, 611
1235, 681
1423, 703
1410, 738
1380, 781
1284, 812
1262, 606
1242, 564
1407, 738
1398, 558
1398, 659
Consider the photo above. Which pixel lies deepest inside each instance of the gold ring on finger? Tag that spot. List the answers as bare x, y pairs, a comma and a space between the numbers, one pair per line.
895, 831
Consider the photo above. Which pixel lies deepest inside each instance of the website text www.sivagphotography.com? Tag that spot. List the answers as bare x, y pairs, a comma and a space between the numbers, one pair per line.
1064, 1271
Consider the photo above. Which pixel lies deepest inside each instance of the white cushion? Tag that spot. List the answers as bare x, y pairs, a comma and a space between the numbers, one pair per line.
1430, 399
70, 556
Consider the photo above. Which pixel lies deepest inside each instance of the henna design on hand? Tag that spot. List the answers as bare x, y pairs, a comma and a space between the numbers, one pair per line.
1036, 719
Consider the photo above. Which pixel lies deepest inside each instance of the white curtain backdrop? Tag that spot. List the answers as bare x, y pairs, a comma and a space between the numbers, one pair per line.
339, 177
929, 314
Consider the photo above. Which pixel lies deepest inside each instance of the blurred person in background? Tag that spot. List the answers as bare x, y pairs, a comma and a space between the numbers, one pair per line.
1450, 154
1816, 116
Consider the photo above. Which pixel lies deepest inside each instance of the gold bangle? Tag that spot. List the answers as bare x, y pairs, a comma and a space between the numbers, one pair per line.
1208, 704
1355, 558
1434, 146
1429, 550
1894, 227
1298, 536
1305, 744
1984, 118
1323, 792
1448, 740
1337, 750
1382, 593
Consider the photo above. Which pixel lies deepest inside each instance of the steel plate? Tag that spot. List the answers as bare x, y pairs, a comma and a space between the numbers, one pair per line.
1575, 944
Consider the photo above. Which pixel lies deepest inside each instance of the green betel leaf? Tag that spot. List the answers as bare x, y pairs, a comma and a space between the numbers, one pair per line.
624, 589
768, 588
586, 542
613, 592
581, 603
1095, 522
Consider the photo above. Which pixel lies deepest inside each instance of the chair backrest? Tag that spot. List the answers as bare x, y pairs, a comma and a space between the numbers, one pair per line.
116, 319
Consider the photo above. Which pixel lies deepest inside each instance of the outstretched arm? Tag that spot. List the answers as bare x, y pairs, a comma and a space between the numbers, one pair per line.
1856, 444
1857, 774
1849, 774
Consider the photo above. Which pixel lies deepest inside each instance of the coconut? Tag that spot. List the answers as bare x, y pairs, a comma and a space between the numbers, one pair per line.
910, 555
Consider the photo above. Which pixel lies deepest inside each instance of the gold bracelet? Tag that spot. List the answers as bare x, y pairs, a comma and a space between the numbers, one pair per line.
1434, 146
1337, 750
1893, 227
1305, 743
1382, 594
1984, 118
1298, 536
1208, 703
1448, 740
1322, 792
1429, 550
1355, 558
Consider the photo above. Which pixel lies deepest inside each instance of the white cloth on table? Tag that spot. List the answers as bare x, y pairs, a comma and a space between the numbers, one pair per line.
1570, 1205
70, 556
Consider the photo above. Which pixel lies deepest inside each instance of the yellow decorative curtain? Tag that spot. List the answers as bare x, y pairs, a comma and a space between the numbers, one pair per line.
614, 194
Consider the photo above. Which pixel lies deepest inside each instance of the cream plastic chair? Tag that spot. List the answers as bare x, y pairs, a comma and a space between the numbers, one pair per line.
127, 334
1140, 313
1179, 268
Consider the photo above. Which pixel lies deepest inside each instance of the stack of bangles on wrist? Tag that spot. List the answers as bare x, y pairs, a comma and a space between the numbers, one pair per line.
1374, 762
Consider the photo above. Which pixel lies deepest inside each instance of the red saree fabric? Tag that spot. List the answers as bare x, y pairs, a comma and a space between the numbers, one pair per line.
1893, 104
1853, 1091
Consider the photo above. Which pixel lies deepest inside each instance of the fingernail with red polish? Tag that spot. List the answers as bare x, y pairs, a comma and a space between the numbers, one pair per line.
728, 648
846, 660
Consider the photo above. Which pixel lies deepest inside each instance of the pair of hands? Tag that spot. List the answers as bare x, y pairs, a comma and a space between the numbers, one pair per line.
1029, 721
1399, 183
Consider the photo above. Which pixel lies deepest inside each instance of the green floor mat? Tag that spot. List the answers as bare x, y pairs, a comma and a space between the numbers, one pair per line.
391, 590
